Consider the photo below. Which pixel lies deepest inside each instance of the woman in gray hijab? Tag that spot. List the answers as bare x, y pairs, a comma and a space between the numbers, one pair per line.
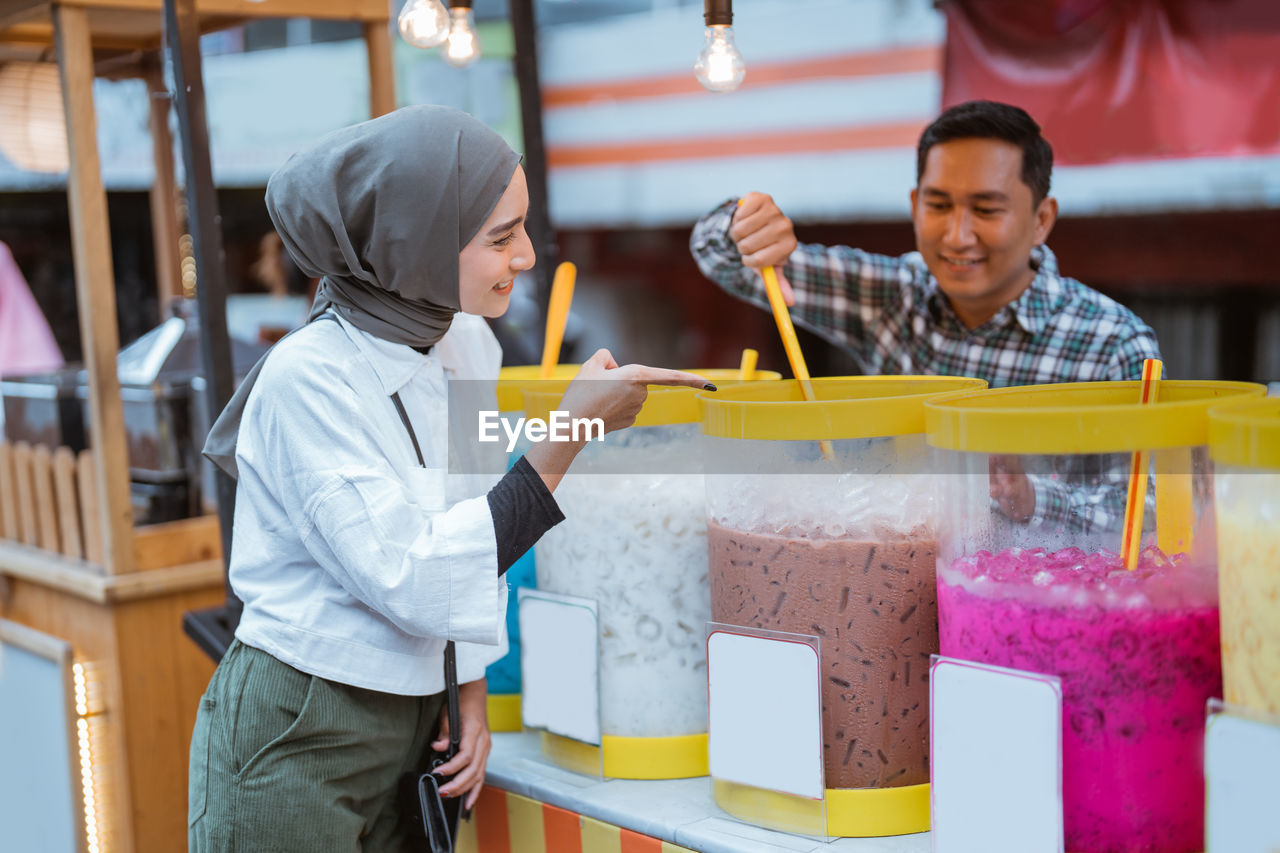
355, 553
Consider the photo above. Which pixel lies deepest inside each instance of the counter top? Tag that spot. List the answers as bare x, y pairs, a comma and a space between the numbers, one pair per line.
680, 811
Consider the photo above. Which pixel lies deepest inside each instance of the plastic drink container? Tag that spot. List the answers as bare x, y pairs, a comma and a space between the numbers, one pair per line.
1245, 446
842, 548
634, 539
504, 674
1030, 576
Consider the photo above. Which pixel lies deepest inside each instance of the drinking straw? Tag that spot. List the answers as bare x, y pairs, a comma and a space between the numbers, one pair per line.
557, 314
747, 369
1136, 502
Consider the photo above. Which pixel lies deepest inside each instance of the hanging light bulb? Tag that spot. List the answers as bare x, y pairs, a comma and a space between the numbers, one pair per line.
424, 23
719, 67
462, 47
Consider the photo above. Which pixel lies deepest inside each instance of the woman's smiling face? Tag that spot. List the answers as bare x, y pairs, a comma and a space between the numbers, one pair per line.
487, 266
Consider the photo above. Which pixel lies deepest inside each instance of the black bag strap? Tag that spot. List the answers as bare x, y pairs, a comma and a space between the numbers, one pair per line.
450, 655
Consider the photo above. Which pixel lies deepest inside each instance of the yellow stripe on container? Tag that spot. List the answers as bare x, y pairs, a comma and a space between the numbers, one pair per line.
1246, 434
677, 757
867, 812
849, 812
504, 712
845, 407
1078, 417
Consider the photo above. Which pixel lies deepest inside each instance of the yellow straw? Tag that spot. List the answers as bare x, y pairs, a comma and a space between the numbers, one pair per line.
557, 314
747, 369
1136, 501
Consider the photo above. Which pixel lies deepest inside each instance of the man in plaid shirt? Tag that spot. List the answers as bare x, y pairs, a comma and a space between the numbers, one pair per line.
981, 297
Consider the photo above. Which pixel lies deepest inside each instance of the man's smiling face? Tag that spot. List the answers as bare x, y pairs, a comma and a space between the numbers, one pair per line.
976, 224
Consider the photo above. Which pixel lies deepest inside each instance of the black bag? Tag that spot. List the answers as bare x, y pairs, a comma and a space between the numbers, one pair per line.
420, 798
437, 816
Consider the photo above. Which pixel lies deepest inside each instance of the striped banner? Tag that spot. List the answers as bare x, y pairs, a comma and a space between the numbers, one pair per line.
508, 823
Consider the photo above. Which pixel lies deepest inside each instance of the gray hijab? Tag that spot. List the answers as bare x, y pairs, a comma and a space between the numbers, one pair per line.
379, 212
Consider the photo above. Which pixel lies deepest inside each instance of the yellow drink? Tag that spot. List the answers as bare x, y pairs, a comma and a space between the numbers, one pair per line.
1249, 585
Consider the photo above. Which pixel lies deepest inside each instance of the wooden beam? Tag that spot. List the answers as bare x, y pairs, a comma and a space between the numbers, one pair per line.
205, 575
90, 513
15, 12
139, 34
164, 195
89, 582
76, 577
95, 287
382, 77
345, 10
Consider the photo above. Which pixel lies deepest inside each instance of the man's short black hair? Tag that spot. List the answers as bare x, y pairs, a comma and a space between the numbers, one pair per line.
993, 120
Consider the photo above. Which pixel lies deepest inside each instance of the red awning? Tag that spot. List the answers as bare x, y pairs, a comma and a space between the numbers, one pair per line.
1116, 80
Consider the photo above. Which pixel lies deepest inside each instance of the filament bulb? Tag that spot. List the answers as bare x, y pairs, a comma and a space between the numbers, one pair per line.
463, 45
424, 23
719, 67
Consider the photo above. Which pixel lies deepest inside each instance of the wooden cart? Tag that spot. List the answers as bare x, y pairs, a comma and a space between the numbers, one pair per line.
72, 564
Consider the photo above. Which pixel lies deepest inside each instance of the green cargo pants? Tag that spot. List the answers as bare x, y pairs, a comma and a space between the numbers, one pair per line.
285, 761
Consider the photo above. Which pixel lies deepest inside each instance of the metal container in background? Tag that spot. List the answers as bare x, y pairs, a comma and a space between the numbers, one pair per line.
165, 417
41, 408
162, 404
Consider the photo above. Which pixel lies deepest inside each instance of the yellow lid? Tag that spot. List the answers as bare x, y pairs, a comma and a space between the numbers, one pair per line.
846, 407
731, 375
1246, 433
1078, 417
512, 382
665, 405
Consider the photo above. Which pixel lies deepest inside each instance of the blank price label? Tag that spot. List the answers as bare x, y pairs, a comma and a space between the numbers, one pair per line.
1242, 781
560, 664
765, 707
997, 759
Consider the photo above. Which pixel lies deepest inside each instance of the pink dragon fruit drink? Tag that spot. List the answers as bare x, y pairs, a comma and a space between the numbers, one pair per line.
1138, 655
1034, 497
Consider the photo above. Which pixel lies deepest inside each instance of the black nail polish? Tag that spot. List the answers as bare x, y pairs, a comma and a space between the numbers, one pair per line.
708, 387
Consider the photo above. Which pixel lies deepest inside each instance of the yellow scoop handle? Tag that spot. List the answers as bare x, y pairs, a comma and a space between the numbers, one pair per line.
791, 344
557, 315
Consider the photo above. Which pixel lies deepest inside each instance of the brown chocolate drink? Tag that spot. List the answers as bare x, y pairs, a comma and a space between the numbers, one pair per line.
875, 607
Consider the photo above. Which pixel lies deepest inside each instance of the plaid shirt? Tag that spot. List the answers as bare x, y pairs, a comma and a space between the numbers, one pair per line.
889, 314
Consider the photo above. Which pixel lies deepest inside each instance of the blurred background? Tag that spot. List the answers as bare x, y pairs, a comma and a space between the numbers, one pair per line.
1164, 116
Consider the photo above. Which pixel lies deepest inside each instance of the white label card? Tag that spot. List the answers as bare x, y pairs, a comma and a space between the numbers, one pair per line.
1242, 781
996, 751
765, 706
560, 664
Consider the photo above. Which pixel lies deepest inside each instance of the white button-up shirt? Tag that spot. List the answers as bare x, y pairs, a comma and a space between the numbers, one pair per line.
354, 563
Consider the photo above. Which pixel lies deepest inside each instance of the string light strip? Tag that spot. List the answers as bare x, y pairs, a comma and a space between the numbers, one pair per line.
89, 793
